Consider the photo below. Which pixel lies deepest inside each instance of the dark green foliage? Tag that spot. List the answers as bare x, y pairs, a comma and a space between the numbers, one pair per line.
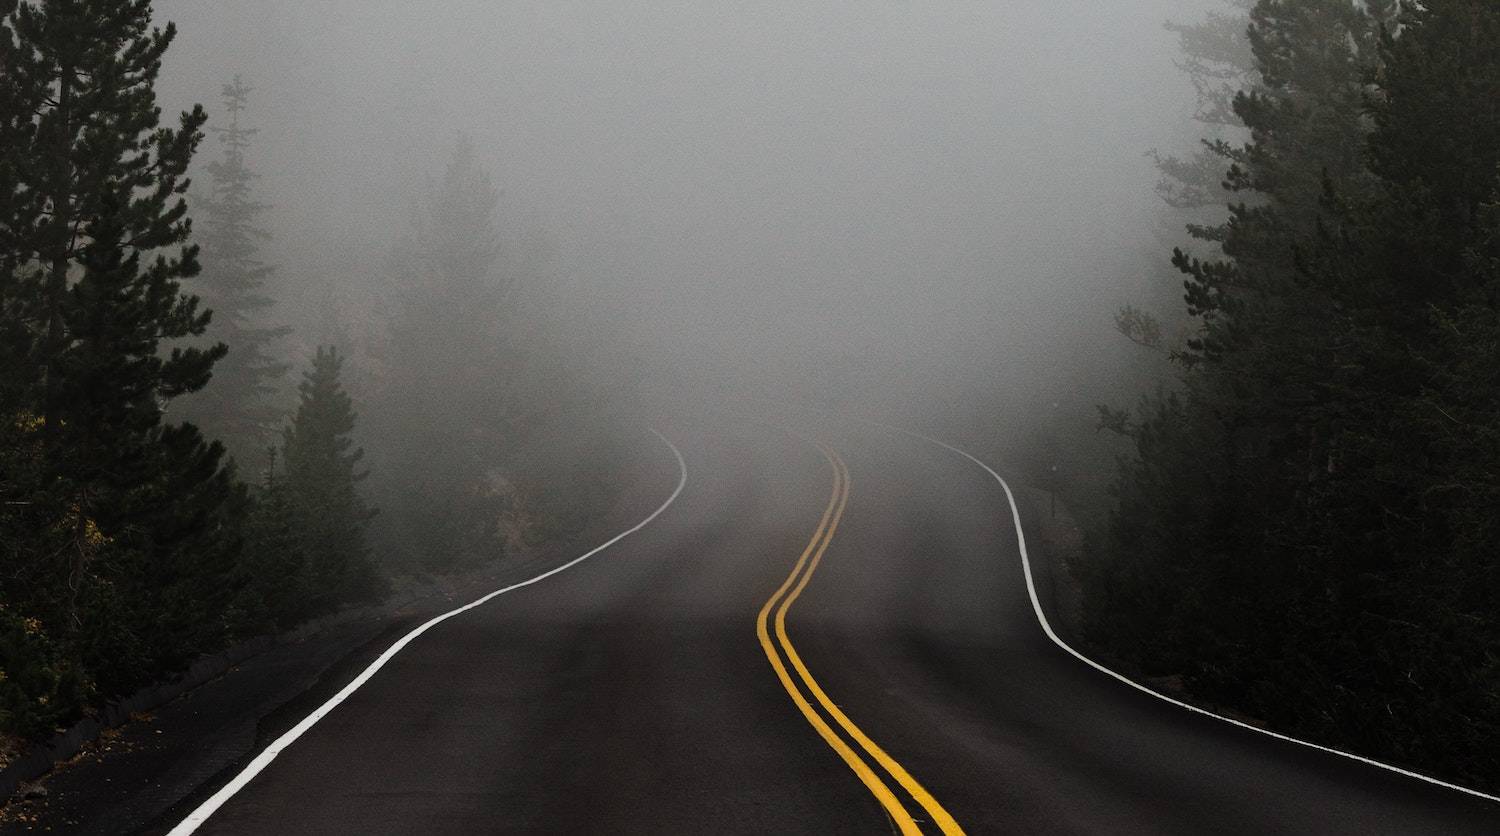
119, 530
39, 686
1217, 58
1306, 529
1306, 128
273, 592
321, 489
305, 551
1435, 144
240, 407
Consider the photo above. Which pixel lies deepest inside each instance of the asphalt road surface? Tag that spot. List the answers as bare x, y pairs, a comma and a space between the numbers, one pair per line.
908, 688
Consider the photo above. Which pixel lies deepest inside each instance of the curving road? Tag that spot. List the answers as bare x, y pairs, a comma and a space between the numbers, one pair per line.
649, 689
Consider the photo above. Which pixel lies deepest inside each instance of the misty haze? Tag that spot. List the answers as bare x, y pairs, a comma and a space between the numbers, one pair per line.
706, 417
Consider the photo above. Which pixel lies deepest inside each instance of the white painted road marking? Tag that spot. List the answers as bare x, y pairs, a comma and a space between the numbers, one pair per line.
196, 818
1041, 617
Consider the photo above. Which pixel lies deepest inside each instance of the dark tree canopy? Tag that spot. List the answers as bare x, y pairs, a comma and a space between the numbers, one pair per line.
1321, 487
322, 476
95, 239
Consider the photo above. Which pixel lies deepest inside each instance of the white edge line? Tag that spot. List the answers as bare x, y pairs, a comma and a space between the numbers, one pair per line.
196, 818
1041, 617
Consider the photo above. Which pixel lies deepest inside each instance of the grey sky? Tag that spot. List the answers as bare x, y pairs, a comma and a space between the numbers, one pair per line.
760, 181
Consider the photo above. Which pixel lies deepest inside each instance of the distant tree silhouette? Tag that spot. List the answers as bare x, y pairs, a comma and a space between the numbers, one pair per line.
239, 408
443, 416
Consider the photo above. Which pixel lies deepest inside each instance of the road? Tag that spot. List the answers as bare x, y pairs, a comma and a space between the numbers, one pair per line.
649, 689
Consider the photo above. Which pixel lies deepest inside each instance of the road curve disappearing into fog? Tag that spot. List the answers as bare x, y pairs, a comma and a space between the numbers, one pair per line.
829, 634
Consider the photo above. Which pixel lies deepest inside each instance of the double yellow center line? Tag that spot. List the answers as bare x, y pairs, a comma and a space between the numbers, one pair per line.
781, 649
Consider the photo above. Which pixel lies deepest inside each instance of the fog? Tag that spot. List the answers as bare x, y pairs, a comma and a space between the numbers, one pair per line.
915, 195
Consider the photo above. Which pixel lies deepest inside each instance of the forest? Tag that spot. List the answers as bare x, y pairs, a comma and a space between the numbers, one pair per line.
1303, 526
1288, 490
174, 478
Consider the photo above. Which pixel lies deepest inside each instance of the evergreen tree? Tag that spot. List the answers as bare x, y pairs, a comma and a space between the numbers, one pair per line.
443, 416
1306, 529
1217, 59
239, 408
1254, 372
1412, 467
1307, 129
17, 211
322, 485
274, 593
1201, 504
129, 520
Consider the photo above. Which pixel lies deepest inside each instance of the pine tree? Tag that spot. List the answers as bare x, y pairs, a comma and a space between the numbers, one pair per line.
274, 593
239, 409
1207, 502
443, 413
94, 233
1420, 430
1319, 497
322, 484
18, 209
1307, 129
1217, 59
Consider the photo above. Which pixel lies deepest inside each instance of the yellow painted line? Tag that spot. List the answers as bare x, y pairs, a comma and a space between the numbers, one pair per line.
940, 816
790, 590
877, 787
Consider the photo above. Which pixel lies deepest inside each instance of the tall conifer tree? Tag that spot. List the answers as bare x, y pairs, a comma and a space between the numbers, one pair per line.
1307, 529
239, 408
443, 418
1414, 479
322, 485
1207, 499
129, 516
1217, 59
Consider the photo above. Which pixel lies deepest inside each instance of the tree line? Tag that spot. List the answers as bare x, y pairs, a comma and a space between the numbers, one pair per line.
164, 491
1304, 527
